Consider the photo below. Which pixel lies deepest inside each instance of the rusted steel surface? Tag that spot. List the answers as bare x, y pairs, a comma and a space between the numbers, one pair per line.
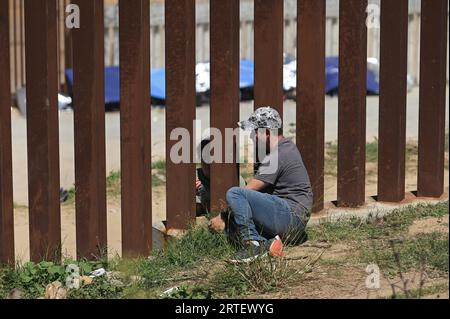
269, 23
42, 129
392, 109
58, 37
89, 125
352, 102
67, 42
180, 108
22, 45
224, 94
6, 190
135, 130
433, 66
311, 92
15, 34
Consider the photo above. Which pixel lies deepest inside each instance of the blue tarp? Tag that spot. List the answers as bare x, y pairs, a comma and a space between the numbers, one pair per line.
112, 84
246, 74
332, 77
158, 83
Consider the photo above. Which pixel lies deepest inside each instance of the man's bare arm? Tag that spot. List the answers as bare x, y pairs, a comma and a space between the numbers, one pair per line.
217, 224
256, 185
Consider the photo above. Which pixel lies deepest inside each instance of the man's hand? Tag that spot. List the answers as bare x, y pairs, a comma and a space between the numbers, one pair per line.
216, 224
198, 183
256, 185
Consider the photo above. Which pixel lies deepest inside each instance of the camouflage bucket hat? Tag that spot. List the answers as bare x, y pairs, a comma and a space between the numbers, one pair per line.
263, 117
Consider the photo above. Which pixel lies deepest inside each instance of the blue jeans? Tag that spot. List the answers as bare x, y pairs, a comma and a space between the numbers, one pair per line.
259, 216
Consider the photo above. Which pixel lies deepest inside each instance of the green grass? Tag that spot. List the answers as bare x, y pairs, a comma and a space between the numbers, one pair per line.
32, 278
262, 276
190, 292
198, 246
372, 152
113, 181
196, 263
418, 293
70, 196
246, 171
331, 155
159, 165
383, 240
374, 227
112, 187
101, 288
229, 283
158, 173
427, 251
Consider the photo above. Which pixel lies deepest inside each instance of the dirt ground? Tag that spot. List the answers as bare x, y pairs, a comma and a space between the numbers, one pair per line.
335, 277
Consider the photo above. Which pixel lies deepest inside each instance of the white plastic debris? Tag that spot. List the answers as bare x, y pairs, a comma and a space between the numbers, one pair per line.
290, 75
169, 292
64, 101
97, 273
202, 73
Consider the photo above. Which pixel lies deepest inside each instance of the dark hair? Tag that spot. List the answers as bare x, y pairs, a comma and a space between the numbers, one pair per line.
279, 131
204, 143
202, 146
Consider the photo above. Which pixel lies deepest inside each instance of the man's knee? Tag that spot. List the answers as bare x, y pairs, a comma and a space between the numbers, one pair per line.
233, 193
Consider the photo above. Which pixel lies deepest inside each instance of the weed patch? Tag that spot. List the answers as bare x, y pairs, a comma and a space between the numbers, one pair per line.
198, 246
428, 252
375, 226
32, 278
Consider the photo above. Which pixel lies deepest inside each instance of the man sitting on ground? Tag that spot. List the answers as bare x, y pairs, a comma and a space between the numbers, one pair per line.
275, 205
202, 184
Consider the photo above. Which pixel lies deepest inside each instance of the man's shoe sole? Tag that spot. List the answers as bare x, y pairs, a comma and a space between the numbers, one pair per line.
276, 248
247, 260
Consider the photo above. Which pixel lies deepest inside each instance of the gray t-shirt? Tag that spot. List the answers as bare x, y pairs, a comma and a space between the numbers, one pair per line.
284, 171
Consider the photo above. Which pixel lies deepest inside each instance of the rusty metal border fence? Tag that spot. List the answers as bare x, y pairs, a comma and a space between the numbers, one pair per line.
433, 67
42, 129
89, 126
311, 92
352, 103
224, 91
269, 23
6, 190
392, 110
134, 18
43, 62
180, 107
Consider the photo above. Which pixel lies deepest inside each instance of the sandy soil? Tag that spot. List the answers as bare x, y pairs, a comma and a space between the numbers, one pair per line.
429, 225
68, 229
341, 279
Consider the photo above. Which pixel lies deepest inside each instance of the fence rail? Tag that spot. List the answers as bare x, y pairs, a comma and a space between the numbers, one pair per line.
85, 51
89, 126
